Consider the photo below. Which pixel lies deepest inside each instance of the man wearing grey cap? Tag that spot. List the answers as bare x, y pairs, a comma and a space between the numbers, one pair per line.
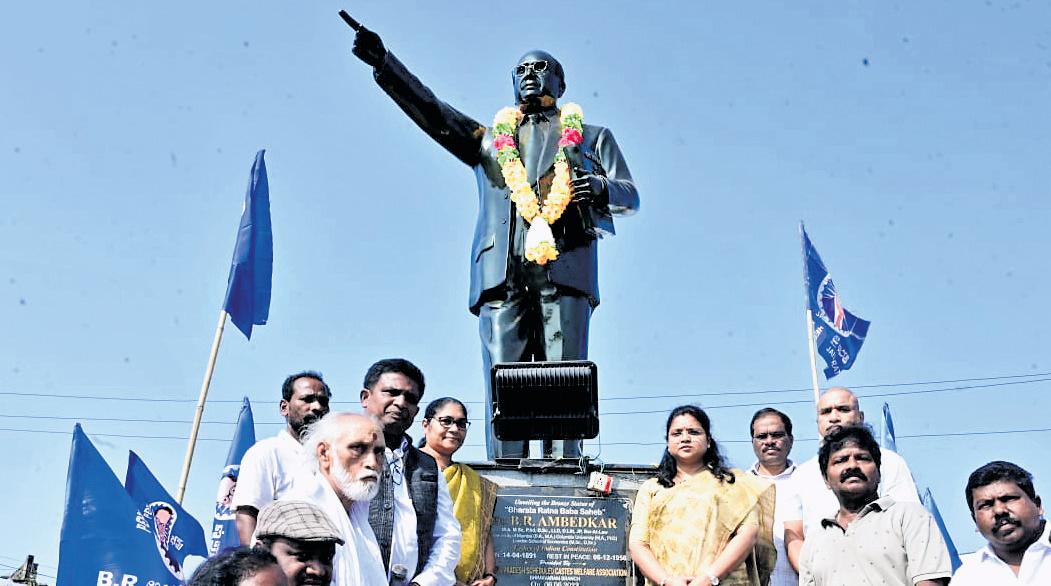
302, 539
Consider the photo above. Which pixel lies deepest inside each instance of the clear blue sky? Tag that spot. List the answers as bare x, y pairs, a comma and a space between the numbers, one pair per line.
911, 137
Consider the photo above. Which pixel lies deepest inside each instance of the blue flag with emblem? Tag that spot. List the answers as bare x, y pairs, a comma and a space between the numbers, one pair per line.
887, 439
928, 501
178, 534
838, 334
105, 539
224, 527
248, 290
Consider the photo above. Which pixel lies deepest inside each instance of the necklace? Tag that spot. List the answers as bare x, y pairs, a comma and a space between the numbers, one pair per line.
540, 242
683, 476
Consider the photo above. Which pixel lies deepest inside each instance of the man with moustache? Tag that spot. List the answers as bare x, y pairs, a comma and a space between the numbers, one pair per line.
345, 454
412, 516
771, 432
268, 467
870, 540
528, 309
837, 408
1008, 514
301, 537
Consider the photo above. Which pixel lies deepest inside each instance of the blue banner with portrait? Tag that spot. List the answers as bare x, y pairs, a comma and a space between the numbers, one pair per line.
224, 526
104, 539
176, 532
838, 334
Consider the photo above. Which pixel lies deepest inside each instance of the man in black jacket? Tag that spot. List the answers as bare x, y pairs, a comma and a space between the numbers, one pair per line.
412, 514
527, 311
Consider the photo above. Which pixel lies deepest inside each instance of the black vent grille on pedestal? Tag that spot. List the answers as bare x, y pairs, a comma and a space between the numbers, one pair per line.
545, 400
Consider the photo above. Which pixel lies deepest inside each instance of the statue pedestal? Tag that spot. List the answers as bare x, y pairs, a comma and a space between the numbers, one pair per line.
550, 530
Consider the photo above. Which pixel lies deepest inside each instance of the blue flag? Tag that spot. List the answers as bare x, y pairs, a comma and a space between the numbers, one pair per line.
248, 289
838, 334
887, 439
178, 533
105, 538
928, 501
224, 527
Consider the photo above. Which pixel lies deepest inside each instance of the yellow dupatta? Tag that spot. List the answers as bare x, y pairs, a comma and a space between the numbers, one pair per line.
691, 523
473, 500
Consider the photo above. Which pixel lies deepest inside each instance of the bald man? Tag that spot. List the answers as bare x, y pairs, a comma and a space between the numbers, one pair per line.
837, 408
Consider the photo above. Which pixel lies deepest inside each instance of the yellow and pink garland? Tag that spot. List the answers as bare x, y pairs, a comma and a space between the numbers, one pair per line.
540, 242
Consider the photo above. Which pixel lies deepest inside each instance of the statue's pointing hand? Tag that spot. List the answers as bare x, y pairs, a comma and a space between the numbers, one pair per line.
369, 47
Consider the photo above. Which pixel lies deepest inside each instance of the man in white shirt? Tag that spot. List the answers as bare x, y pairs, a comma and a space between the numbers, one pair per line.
268, 467
771, 432
1008, 514
412, 516
345, 456
837, 408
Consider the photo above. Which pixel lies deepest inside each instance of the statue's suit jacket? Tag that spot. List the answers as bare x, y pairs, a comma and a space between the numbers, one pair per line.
575, 233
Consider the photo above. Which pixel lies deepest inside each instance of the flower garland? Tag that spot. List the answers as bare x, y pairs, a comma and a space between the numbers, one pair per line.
540, 242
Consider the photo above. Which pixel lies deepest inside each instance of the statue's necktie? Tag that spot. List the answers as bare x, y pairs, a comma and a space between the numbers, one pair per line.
532, 143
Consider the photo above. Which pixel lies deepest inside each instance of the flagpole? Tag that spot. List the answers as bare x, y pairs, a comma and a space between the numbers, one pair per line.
811, 346
813, 355
882, 429
200, 407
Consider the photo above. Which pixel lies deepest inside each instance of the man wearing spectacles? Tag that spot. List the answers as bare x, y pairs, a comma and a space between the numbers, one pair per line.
412, 516
771, 432
528, 311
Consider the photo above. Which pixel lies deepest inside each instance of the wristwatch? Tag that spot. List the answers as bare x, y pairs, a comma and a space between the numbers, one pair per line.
712, 578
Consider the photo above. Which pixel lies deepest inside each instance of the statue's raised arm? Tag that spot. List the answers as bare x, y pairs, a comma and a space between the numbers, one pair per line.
460, 134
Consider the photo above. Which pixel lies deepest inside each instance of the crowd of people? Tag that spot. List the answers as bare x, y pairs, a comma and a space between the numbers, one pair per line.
848, 516
346, 498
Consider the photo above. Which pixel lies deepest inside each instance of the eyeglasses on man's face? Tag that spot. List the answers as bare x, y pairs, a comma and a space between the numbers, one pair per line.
773, 435
535, 66
447, 422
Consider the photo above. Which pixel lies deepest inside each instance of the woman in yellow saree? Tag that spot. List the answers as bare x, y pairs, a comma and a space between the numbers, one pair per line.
700, 523
445, 426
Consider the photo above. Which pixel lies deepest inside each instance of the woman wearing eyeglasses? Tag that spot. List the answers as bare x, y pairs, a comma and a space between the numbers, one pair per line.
699, 523
445, 426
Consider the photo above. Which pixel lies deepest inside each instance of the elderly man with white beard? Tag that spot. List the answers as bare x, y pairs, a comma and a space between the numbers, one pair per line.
346, 453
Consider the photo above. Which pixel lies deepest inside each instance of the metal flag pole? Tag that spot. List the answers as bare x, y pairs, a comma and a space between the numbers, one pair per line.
811, 346
813, 355
200, 407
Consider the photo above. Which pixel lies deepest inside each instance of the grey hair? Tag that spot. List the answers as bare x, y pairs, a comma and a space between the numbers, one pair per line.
326, 430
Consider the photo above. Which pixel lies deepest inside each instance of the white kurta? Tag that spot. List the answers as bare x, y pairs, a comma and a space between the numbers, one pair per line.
358, 561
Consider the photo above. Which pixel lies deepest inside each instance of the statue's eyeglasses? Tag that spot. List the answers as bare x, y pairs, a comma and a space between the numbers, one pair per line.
536, 66
447, 422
